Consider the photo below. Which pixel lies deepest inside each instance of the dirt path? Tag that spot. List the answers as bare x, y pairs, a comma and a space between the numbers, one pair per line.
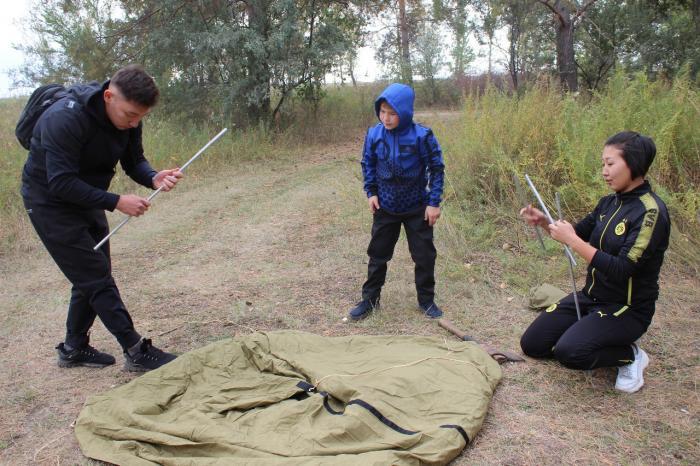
282, 245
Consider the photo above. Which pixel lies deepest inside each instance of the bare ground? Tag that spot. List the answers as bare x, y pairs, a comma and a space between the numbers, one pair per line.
282, 246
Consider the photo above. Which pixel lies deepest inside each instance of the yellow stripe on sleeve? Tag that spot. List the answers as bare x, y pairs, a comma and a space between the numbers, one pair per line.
648, 224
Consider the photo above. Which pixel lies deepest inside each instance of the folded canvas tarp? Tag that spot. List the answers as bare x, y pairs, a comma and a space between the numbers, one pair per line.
296, 398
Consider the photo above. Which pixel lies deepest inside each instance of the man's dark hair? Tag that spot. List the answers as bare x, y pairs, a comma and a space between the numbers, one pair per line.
136, 85
637, 150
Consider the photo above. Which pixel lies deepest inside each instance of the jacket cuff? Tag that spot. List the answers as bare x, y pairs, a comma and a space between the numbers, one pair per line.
152, 177
111, 201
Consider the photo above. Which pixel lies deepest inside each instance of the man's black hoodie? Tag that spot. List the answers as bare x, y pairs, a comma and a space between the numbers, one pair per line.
75, 149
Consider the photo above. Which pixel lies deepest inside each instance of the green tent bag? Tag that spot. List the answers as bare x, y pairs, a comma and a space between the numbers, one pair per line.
284, 398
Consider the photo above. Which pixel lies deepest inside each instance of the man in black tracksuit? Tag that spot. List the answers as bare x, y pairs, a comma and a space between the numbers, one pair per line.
75, 147
623, 240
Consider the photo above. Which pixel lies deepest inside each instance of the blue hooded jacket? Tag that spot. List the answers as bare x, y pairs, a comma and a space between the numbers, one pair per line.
403, 166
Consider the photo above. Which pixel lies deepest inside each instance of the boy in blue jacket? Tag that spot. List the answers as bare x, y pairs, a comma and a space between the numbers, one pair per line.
403, 175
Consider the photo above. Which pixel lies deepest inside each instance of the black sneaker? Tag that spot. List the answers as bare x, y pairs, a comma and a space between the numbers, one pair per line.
431, 310
146, 357
363, 309
86, 356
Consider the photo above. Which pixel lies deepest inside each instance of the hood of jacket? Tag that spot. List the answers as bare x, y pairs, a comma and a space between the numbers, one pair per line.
89, 96
400, 97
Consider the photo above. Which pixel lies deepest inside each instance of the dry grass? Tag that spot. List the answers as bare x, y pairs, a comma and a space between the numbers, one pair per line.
274, 246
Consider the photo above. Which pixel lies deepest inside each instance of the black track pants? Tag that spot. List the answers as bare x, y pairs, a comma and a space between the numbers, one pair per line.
385, 232
602, 337
69, 235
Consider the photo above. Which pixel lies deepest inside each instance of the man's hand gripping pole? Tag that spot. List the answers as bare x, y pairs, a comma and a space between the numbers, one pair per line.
155, 193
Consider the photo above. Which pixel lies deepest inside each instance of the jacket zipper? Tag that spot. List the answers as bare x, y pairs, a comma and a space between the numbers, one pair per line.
395, 152
600, 243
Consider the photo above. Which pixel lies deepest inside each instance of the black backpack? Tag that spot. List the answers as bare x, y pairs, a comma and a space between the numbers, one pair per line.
41, 99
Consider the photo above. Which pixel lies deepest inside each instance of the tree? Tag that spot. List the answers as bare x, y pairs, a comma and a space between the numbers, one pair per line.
455, 13
641, 35
429, 59
406, 70
490, 23
517, 17
72, 42
567, 15
401, 20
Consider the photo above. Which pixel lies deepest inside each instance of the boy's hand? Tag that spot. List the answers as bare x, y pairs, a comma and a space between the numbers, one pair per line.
373, 203
432, 214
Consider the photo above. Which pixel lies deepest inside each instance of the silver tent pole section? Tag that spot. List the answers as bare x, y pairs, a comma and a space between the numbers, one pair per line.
549, 217
155, 193
521, 195
571, 266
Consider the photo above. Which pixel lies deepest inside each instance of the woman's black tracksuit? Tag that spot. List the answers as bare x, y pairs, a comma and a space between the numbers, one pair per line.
631, 232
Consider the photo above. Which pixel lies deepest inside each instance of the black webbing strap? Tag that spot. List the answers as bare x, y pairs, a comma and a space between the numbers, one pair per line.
459, 429
309, 388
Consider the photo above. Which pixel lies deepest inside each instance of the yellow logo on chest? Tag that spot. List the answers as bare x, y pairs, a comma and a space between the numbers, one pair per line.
620, 229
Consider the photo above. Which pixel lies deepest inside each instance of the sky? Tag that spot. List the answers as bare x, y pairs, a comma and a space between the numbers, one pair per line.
12, 33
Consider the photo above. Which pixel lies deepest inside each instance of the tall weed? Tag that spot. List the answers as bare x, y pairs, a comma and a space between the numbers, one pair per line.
558, 143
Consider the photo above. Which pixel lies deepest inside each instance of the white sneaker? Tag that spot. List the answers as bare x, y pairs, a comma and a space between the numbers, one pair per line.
630, 377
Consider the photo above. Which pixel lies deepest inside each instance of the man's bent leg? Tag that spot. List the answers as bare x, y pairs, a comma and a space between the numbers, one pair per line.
80, 318
68, 237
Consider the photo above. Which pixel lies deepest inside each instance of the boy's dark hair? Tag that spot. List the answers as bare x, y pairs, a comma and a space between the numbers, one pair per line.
136, 85
637, 150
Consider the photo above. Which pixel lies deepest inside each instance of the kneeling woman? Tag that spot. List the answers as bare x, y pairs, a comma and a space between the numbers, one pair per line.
623, 240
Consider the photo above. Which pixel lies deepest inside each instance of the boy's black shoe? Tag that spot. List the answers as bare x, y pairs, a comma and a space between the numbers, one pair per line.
431, 310
363, 309
86, 356
144, 357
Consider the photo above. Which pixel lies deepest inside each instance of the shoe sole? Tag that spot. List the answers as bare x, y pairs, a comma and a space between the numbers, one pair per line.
361, 317
69, 364
638, 386
132, 368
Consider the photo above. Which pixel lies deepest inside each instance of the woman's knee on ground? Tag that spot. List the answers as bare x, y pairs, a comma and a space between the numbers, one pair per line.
534, 346
573, 356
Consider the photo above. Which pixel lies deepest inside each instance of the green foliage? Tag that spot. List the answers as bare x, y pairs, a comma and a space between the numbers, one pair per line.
558, 142
12, 157
657, 38
455, 13
213, 60
73, 42
429, 60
